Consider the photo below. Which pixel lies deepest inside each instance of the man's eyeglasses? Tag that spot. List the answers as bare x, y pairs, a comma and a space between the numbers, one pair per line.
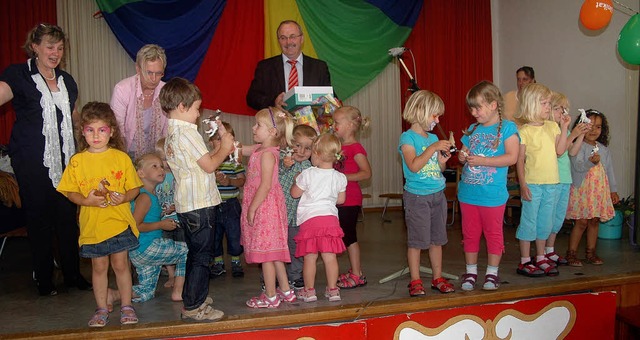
151, 74
291, 37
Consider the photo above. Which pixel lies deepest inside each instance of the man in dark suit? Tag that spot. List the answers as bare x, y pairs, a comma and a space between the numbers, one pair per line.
272, 75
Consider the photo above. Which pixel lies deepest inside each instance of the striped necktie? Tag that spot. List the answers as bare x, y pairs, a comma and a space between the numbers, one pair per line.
293, 75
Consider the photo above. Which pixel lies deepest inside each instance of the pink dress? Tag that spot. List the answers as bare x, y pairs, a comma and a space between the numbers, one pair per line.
266, 239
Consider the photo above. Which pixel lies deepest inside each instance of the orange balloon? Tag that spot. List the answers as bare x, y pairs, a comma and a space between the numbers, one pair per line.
596, 14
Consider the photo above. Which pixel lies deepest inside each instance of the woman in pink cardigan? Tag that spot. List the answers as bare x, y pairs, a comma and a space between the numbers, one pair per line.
136, 104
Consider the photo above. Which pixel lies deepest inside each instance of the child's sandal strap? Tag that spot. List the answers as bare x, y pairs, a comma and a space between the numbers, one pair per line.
491, 282
416, 288
442, 285
100, 318
128, 315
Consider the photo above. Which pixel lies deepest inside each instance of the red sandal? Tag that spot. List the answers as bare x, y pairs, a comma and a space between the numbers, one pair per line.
442, 285
350, 280
416, 288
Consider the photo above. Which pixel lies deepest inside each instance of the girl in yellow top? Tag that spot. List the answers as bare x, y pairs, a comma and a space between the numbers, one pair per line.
101, 179
541, 142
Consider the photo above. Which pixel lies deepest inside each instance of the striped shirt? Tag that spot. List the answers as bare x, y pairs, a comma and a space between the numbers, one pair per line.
194, 188
232, 170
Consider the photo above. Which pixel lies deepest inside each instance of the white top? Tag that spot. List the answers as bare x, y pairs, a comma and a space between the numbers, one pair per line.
321, 188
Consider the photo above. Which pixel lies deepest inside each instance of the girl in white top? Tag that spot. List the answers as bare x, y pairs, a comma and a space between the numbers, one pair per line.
320, 188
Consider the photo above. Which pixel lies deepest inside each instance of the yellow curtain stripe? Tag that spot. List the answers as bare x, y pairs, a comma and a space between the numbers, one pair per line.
276, 11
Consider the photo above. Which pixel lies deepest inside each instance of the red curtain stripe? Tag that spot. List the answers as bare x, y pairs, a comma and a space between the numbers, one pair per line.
17, 18
451, 42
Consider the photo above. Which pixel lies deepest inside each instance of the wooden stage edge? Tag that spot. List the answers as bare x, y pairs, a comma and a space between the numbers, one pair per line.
626, 285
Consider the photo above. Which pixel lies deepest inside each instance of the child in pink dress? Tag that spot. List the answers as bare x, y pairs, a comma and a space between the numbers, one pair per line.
320, 188
264, 215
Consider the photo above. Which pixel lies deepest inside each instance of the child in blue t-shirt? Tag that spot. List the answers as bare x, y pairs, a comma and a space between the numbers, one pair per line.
490, 146
424, 158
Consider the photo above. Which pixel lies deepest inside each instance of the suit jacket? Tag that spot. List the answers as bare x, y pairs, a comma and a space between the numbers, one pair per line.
268, 80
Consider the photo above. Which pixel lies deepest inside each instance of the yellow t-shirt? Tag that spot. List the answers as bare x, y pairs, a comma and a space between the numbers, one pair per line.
541, 160
84, 172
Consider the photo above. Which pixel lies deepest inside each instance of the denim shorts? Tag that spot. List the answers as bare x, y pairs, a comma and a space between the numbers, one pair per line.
124, 241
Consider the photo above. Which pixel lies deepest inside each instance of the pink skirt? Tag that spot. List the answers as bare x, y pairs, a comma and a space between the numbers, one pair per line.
320, 234
593, 198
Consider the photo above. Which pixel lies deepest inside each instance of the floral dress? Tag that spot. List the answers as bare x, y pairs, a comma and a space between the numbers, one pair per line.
266, 239
593, 198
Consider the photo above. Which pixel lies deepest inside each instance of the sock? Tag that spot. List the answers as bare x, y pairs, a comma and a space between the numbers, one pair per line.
235, 258
492, 270
524, 260
472, 269
540, 258
218, 259
548, 250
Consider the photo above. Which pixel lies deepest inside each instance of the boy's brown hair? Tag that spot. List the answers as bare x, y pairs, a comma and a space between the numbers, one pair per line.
178, 91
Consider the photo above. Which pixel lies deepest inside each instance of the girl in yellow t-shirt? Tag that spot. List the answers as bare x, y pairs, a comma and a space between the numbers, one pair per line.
541, 141
101, 179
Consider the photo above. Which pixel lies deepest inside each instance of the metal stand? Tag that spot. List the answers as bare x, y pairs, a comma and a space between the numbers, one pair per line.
422, 270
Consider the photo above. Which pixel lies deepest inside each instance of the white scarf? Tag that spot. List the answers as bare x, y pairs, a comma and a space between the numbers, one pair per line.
52, 157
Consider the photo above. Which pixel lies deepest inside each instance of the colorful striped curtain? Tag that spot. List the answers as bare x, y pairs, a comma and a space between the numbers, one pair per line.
217, 43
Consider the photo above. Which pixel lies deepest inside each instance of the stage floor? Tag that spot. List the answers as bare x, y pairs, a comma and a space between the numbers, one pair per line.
383, 248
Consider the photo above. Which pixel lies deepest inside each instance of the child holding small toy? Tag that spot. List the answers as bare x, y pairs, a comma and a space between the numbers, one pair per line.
196, 193
101, 179
490, 146
154, 250
542, 141
424, 158
594, 189
229, 178
320, 188
264, 215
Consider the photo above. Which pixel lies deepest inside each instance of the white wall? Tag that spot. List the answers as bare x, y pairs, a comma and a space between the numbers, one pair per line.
582, 64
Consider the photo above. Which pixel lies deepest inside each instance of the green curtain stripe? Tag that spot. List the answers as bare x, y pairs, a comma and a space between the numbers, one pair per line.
109, 6
353, 37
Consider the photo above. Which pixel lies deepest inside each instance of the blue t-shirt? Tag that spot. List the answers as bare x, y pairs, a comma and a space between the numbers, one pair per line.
486, 185
429, 179
153, 215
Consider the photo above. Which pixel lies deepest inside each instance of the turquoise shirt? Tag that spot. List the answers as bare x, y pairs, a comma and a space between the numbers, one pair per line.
564, 167
153, 215
486, 185
429, 179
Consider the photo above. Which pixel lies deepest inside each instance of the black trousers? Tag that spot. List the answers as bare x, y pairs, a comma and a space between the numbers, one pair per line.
51, 217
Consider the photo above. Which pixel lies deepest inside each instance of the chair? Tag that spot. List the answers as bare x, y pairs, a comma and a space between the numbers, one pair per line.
451, 193
388, 197
10, 205
361, 218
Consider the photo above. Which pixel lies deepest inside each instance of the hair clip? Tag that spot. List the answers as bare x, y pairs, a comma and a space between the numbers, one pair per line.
272, 120
339, 156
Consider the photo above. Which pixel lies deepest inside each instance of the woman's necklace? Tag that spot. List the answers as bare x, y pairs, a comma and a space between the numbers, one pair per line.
53, 72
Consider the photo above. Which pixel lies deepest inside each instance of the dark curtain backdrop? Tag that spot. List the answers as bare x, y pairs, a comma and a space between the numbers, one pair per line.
451, 42
16, 19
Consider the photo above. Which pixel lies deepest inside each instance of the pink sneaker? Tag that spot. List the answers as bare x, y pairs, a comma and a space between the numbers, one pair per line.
333, 294
307, 295
263, 301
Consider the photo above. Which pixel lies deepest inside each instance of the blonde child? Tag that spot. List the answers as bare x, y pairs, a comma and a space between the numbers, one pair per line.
560, 109
424, 158
154, 250
264, 215
164, 192
229, 178
347, 122
542, 141
490, 146
594, 189
290, 167
320, 188
196, 193
101, 179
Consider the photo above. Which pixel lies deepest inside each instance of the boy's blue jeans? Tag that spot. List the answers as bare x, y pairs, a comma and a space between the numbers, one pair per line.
228, 222
198, 230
